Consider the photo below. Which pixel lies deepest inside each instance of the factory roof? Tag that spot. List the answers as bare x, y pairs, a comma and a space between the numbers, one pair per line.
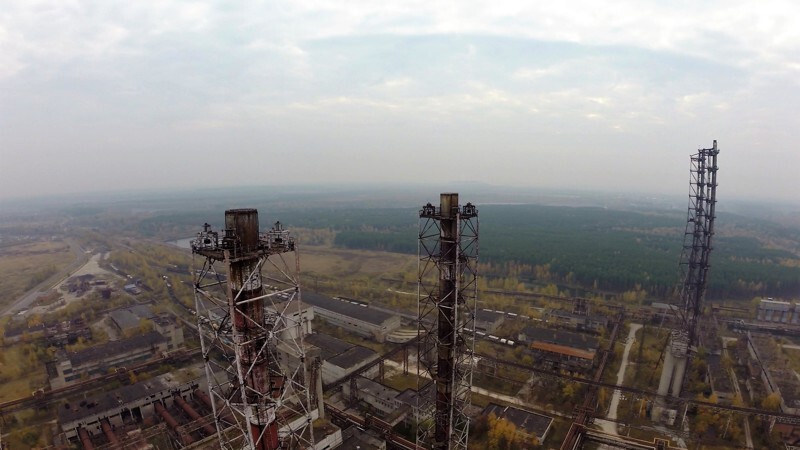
114, 348
409, 396
329, 345
561, 338
109, 400
129, 317
339, 352
353, 357
531, 422
362, 313
376, 389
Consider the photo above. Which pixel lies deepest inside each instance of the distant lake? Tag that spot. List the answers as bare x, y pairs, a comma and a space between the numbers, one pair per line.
183, 242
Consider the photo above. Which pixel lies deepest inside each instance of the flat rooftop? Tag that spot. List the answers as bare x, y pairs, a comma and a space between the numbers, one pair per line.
409, 396
340, 353
362, 313
114, 348
353, 357
77, 410
129, 317
529, 421
329, 345
376, 389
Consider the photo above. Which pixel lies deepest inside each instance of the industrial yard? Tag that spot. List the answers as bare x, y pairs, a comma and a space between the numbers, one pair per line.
218, 344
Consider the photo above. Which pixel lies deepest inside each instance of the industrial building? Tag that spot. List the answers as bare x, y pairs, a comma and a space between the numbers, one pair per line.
558, 349
421, 405
580, 322
530, 423
340, 358
776, 311
361, 320
56, 334
488, 321
381, 398
110, 416
69, 368
127, 321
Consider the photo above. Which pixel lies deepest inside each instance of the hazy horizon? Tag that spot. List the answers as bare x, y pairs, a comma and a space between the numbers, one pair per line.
569, 96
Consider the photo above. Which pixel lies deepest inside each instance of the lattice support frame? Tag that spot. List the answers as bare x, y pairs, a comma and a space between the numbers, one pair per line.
695, 258
252, 326
447, 296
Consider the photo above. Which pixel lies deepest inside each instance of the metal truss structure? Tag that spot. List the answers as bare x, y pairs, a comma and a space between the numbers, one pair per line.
251, 325
697, 237
694, 265
447, 296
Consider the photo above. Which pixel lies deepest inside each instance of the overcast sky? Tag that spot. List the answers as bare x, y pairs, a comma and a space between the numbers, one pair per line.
103, 96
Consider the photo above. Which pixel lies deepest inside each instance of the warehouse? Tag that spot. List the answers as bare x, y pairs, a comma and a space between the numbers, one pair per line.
361, 320
340, 358
70, 368
557, 349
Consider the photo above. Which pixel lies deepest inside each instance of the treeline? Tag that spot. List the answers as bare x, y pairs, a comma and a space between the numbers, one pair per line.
594, 248
611, 250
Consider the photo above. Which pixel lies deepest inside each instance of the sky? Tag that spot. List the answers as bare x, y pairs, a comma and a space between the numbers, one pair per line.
99, 96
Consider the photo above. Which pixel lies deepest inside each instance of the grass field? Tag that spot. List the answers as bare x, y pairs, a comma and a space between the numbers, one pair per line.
25, 265
333, 261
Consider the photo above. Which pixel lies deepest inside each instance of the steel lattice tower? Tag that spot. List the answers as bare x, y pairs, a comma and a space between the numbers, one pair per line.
251, 334
694, 266
447, 296
698, 235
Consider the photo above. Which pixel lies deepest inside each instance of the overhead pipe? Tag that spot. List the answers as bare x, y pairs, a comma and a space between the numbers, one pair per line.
184, 436
86, 440
112, 438
194, 415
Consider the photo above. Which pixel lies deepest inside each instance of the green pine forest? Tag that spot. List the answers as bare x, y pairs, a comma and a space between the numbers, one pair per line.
599, 249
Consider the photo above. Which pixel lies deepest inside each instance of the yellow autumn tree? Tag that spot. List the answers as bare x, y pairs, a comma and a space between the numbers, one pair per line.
502, 434
772, 402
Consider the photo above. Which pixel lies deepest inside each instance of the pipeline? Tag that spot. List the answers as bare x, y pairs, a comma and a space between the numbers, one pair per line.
85, 439
112, 438
194, 415
226, 414
186, 439
374, 423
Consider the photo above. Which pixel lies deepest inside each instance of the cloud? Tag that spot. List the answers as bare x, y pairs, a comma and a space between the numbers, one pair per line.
164, 77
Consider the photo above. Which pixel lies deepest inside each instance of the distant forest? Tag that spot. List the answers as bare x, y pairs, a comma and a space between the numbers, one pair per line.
607, 250
592, 248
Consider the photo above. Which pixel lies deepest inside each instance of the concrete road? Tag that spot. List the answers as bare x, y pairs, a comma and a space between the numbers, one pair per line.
607, 426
